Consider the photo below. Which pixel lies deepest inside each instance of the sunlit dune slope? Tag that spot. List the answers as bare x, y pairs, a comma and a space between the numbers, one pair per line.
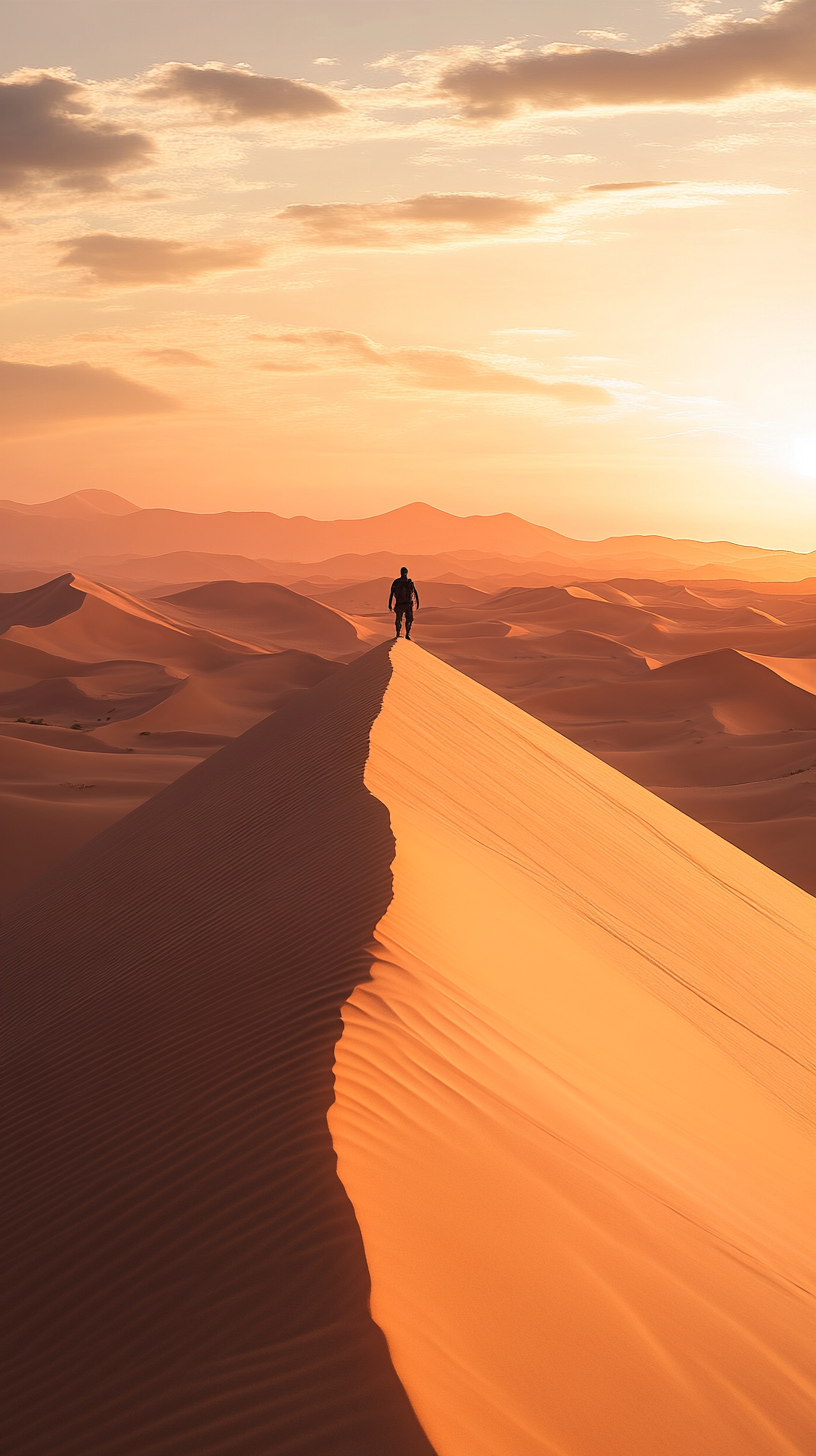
573, 1111
184, 1270
83, 619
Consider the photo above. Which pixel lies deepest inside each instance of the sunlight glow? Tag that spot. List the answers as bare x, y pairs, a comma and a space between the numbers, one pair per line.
800, 455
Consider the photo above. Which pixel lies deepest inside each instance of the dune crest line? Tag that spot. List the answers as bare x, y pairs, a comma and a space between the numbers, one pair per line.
573, 1104
184, 1269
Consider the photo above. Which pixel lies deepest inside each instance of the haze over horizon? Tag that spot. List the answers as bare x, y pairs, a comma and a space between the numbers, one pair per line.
550, 259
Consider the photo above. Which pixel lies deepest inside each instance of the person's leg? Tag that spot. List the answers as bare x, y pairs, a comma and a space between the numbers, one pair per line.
398, 614
409, 621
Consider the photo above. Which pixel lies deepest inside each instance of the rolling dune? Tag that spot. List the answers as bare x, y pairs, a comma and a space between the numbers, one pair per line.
58, 789
269, 616
680, 687
569, 1115
75, 653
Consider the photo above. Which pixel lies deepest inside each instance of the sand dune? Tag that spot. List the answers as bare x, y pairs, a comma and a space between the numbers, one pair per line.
201, 1280
226, 701
268, 615
669, 684
569, 1106
372, 596
92, 622
58, 789
177, 689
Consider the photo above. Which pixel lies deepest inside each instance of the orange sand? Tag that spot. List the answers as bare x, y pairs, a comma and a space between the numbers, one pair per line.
571, 1108
184, 1273
685, 688
572, 1111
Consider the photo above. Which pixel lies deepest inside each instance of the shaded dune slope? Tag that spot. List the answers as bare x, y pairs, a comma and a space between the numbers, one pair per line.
185, 1273
574, 1102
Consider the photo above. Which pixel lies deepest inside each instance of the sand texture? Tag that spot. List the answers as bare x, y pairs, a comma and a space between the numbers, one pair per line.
184, 1272
704, 692
572, 1106
403, 997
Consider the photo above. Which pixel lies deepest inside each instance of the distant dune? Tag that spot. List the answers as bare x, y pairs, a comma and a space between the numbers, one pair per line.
685, 688
403, 996
268, 615
166, 682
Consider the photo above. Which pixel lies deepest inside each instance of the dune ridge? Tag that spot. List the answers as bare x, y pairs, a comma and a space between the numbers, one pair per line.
573, 1105
193, 1281
565, 1151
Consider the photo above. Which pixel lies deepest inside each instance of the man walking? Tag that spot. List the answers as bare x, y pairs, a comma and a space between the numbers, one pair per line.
403, 594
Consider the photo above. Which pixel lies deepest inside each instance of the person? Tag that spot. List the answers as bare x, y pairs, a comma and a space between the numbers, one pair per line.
403, 594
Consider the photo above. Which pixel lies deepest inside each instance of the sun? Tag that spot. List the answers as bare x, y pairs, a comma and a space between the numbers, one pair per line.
800, 454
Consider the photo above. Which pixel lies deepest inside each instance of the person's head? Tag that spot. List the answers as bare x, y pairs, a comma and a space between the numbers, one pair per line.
403, 571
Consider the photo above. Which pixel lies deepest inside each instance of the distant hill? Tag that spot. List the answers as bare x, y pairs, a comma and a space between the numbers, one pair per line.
87, 524
82, 503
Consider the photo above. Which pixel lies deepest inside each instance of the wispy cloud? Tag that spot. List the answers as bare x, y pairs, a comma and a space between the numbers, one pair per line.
433, 218
429, 368
34, 397
113, 259
176, 358
455, 219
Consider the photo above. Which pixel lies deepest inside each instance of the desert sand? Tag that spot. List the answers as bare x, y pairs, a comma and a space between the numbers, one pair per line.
572, 1103
702, 689
402, 996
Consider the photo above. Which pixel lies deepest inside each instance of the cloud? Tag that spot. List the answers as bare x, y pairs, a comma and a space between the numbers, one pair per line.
451, 219
603, 34
433, 219
310, 350
731, 58
35, 396
111, 258
539, 333
48, 133
175, 357
625, 186
323, 350
234, 93
445, 369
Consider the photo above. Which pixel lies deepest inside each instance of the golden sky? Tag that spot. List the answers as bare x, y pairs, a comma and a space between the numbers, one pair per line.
545, 256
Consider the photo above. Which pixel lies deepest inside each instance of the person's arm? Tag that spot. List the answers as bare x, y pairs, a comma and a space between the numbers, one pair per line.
390, 596
416, 595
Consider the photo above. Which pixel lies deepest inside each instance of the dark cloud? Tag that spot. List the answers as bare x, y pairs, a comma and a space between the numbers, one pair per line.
113, 259
48, 133
321, 350
37, 396
175, 357
432, 219
232, 94
732, 58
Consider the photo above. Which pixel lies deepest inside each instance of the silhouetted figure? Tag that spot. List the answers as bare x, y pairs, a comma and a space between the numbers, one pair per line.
403, 594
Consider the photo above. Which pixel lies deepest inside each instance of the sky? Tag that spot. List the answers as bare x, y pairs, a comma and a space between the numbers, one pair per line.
330, 257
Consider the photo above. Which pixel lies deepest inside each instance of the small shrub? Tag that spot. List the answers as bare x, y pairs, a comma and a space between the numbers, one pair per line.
145, 733
77, 725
